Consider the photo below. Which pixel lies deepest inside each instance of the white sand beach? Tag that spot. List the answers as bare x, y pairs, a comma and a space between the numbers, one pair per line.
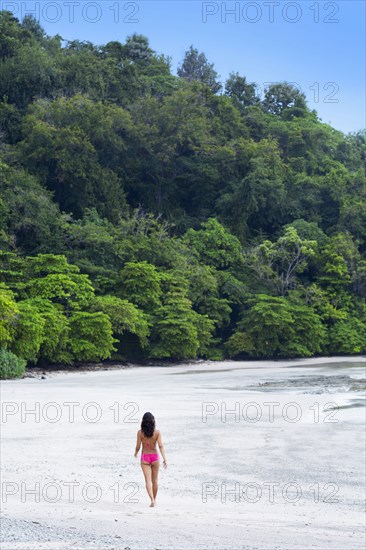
284, 470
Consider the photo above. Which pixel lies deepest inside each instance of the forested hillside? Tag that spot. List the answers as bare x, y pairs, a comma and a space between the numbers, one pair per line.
147, 215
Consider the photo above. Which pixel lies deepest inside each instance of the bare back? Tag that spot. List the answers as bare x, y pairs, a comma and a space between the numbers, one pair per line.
149, 444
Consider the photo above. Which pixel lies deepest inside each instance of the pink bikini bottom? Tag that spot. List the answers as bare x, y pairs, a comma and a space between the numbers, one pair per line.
149, 458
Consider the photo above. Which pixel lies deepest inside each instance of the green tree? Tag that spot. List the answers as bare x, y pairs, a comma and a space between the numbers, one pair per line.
347, 336
137, 49
12, 34
139, 282
273, 327
178, 332
204, 294
174, 332
73, 160
278, 264
280, 97
173, 136
27, 75
29, 332
215, 246
143, 237
195, 66
335, 263
254, 200
91, 336
71, 291
55, 347
8, 315
32, 220
124, 317
241, 91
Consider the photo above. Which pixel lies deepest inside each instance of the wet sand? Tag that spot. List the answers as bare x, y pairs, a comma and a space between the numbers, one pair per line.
262, 455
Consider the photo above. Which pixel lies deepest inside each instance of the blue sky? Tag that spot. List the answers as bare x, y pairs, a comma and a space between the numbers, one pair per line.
319, 45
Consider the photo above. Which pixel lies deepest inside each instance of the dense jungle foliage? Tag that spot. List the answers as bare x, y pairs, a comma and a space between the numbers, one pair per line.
145, 215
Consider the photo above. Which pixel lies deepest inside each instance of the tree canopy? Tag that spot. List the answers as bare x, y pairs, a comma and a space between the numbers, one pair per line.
145, 214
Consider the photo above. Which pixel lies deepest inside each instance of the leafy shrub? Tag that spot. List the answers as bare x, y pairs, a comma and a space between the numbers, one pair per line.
348, 336
11, 366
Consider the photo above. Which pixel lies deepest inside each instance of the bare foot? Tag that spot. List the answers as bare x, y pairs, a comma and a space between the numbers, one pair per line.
152, 505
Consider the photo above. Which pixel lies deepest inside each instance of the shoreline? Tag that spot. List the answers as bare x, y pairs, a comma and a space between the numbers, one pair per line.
43, 372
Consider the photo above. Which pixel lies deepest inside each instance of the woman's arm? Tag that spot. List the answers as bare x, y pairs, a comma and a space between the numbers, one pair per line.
138, 443
161, 447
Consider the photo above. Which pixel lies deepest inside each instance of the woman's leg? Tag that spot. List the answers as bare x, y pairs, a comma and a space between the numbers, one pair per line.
146, 468
154, 476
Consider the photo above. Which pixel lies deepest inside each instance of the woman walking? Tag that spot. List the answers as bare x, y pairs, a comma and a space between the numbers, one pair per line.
149, 438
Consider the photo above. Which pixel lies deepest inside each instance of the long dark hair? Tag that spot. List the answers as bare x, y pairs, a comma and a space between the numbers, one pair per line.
148, 424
